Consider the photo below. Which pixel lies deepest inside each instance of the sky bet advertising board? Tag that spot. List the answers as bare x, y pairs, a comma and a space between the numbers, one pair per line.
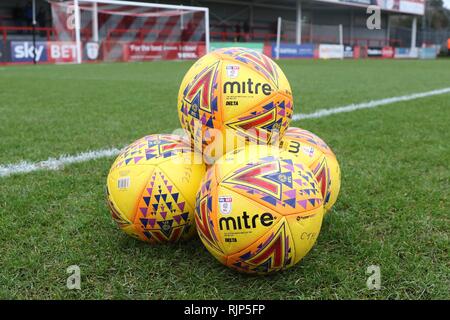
46, 51
23, 51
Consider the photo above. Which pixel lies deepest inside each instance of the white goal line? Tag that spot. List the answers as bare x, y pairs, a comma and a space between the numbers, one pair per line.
58, 163
367, 105
55, 163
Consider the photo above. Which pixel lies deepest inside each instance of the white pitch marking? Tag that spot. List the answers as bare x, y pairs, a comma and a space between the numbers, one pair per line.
367, 105
57, 163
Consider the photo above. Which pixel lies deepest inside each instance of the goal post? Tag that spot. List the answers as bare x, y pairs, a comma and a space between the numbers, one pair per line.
277, 52
77, 30
110, 30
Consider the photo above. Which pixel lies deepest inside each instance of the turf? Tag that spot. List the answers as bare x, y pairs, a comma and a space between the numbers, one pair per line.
393, 210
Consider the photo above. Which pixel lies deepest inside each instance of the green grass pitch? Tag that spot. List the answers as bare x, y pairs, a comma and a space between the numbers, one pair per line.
393, 210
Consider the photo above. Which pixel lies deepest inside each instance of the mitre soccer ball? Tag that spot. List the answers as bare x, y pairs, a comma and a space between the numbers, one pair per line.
151, 188
233, 96
316, 154
259, 211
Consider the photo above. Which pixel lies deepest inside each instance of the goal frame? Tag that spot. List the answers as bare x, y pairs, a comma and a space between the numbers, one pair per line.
76, 4
340, 35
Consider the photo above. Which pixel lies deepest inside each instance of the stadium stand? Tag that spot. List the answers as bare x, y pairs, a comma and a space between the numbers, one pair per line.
304, 22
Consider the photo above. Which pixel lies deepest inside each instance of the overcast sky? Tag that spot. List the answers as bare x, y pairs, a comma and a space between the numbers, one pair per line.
447, 3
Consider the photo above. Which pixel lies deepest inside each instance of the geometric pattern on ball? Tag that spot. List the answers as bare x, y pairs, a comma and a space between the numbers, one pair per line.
260, 216
318, 156
236, 91
152, 149
163, 215
151, 189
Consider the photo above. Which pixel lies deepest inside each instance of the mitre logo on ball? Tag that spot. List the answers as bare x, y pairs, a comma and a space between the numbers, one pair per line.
246, 221
247, 87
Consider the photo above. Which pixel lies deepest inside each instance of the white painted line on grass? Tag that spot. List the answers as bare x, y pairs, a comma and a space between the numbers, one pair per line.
367, 105
57, 163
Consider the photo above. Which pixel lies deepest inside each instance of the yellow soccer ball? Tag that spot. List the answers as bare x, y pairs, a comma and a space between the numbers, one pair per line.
315, 153
151, 188
259, 210
233, 96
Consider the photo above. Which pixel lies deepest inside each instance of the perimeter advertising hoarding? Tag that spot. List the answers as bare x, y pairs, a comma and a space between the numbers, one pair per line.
257, 46
374, 52
46, 51
148, 51
24, 51
331, 51
388, 52
403, 6
428, 53
406, 53
349, 52
294, 50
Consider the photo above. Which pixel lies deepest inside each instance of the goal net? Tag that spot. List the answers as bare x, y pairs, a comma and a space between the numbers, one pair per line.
106, 30
291, 33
